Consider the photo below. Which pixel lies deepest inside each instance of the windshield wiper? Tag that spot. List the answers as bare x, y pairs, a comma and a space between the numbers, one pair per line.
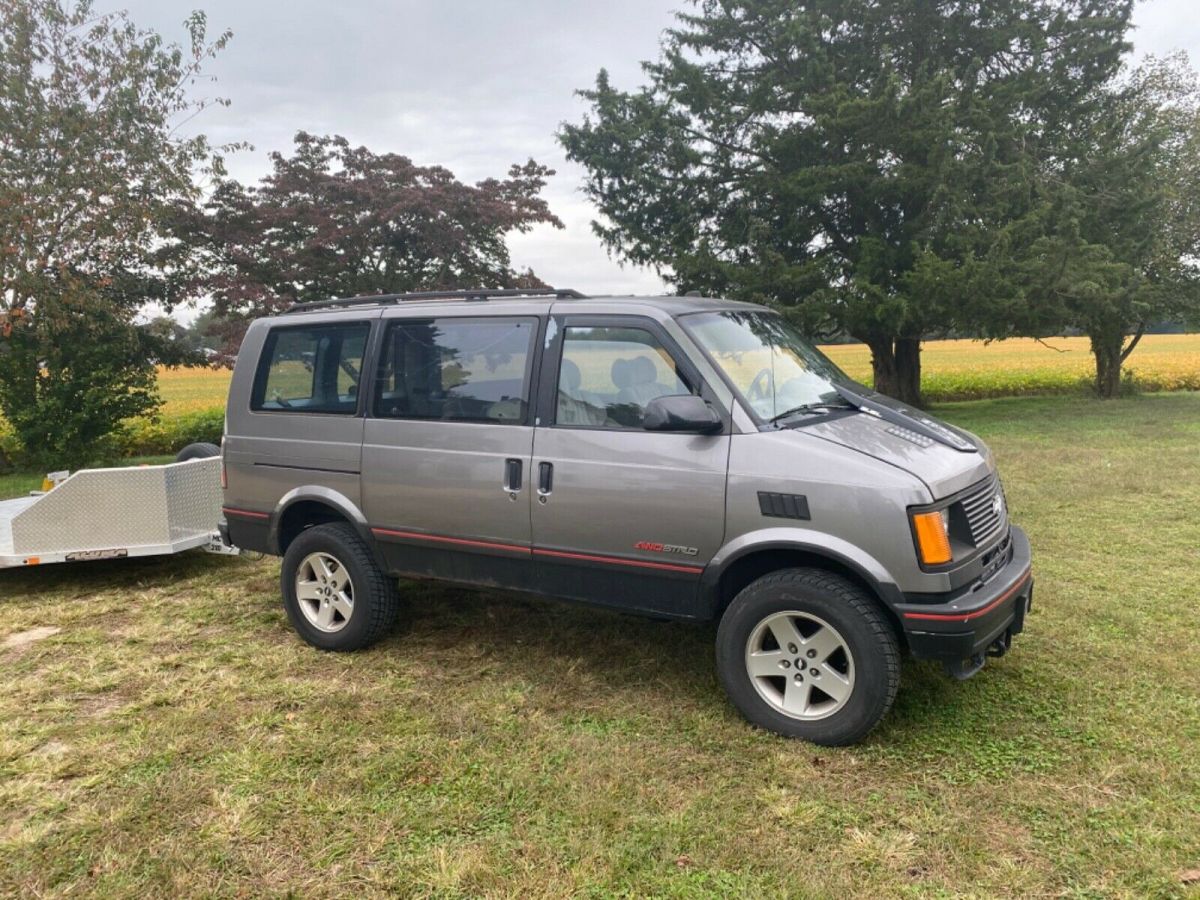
808, 408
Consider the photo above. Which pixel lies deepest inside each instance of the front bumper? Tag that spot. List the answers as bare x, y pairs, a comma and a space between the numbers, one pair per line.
966, 624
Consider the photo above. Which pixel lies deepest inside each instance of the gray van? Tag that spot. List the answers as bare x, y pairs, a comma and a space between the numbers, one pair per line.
673, 456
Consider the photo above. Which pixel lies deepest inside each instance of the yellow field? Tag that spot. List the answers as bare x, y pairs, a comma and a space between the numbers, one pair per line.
953, 370
960, 370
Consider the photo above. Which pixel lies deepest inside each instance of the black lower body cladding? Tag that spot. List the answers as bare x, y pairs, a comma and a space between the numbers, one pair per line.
966, 624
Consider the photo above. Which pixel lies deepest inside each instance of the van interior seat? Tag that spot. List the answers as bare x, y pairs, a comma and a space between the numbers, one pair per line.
637, 381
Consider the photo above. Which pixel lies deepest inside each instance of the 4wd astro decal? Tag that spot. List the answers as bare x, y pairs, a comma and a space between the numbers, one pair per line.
655, 547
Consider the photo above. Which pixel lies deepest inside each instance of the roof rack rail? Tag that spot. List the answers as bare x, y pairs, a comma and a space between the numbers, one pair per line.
474, 294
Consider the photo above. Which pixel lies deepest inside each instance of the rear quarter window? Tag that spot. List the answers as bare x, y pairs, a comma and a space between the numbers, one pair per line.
311, 369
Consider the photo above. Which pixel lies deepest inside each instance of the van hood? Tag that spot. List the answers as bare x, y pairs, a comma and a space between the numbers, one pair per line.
943, 469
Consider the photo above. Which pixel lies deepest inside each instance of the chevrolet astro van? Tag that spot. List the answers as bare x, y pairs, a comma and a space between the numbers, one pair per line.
679, 457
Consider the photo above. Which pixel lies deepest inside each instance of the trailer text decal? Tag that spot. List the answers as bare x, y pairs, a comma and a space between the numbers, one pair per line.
80, 555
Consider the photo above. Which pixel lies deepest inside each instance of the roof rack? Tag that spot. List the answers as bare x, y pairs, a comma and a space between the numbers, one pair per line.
475, 294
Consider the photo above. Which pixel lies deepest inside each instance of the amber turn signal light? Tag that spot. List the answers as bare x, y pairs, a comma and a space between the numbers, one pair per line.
933, 538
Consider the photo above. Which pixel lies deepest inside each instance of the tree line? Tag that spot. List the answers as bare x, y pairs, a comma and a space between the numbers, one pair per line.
892, 170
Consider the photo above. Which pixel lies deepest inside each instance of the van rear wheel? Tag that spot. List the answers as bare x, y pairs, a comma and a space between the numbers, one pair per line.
808, 654
334, 592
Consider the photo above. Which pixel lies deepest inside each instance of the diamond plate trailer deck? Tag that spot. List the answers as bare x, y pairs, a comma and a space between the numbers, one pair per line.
112, 513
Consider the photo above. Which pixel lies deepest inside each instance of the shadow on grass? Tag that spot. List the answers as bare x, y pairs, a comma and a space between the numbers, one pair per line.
549, 642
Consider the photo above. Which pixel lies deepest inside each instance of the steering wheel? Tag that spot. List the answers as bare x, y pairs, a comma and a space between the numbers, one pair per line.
762, 387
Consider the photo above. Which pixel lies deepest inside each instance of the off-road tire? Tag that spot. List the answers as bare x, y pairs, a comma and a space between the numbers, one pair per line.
868, 635
376, 598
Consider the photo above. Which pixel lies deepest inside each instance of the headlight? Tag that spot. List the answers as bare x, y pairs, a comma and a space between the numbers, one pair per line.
932, 530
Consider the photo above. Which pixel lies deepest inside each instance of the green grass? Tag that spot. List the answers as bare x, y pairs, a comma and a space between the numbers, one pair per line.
175, 738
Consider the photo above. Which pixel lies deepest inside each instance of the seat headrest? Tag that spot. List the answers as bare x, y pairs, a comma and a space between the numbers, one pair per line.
643, 370
569, 378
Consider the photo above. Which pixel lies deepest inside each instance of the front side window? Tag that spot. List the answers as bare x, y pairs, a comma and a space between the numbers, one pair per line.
469, 370
768, 362
609, 374
315, 369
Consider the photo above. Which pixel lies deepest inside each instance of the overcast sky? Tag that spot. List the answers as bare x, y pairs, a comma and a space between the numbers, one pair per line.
474, 85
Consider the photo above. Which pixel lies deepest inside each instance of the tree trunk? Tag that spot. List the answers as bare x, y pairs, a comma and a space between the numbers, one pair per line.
897, 366
1107, 350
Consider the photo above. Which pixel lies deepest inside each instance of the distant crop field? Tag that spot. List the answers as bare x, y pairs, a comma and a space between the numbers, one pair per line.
191, 390
966, 370
953, 370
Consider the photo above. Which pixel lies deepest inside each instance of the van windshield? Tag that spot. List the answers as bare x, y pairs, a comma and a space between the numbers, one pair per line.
775, 370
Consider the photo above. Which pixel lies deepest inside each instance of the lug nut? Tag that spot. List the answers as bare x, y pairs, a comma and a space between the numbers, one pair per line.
812, 654
799, 678
814, 673
792, 648
785, 664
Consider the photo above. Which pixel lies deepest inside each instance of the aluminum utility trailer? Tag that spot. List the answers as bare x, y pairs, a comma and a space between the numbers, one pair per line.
113, 513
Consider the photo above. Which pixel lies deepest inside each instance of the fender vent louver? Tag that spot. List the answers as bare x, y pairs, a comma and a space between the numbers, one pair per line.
783, 506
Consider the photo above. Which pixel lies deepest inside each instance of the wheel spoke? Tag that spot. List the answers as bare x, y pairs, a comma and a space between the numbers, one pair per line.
308, 590
342, 604
321, 568
824, 641
834, 683
325, 615
339, 579
795, 697
784, 630
765, 664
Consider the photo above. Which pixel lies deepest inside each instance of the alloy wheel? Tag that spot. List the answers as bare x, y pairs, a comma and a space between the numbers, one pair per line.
800, 665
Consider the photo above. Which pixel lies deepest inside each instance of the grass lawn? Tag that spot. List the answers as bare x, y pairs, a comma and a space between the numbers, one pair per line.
173, 737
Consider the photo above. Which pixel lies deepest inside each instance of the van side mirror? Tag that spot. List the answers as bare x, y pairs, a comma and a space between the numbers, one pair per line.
681, 413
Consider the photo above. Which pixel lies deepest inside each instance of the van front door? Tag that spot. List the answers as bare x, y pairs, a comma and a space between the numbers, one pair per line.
622, 516
446, 452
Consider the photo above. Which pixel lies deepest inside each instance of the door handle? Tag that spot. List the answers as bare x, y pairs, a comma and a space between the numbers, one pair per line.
513, 469
545, 478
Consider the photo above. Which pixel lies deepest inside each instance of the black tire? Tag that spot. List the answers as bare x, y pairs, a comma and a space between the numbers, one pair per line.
863, 628
376, 601
197, 451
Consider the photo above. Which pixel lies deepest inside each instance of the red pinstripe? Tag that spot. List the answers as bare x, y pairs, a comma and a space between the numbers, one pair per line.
966, 617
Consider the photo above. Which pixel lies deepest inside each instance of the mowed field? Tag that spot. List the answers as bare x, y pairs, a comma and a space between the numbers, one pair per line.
952, 370
163, 733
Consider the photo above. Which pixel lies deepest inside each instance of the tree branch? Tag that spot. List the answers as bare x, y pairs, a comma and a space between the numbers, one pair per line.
1051, 347
1141, 329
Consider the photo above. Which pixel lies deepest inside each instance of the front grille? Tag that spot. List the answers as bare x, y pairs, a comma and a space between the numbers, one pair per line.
983, 517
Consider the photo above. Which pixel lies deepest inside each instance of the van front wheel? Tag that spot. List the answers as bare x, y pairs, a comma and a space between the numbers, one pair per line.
805, 653
335, 594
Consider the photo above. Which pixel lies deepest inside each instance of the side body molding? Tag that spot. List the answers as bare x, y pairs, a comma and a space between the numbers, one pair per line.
804, 540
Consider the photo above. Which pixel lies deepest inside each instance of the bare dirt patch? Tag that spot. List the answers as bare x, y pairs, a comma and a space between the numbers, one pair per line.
25, 638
